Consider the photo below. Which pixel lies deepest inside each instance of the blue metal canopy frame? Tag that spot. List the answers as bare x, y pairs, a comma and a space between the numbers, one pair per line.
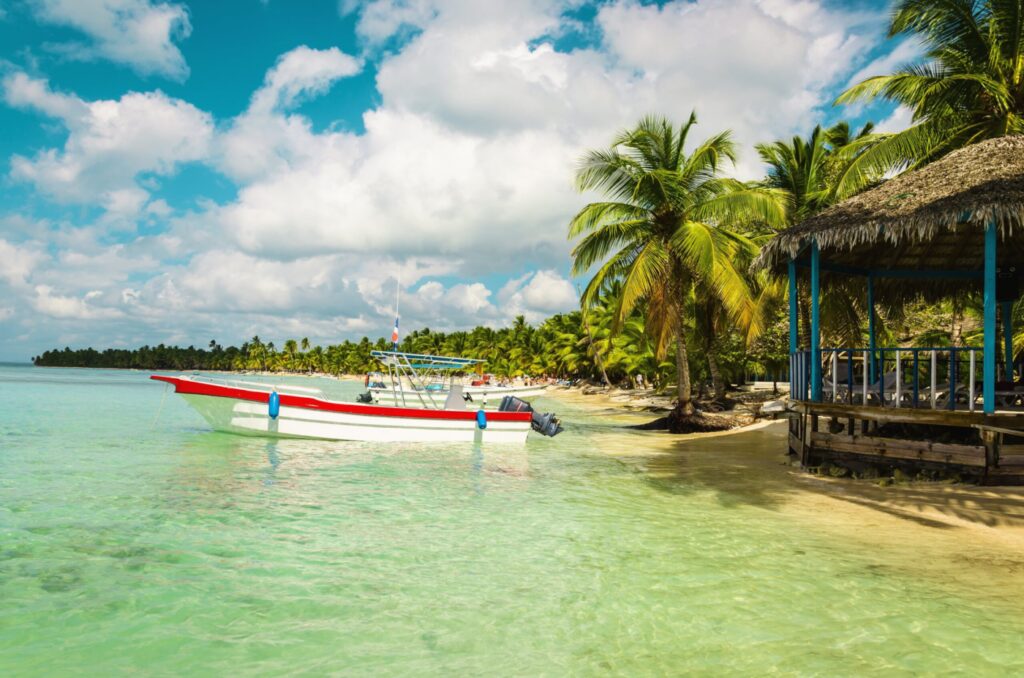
427, 362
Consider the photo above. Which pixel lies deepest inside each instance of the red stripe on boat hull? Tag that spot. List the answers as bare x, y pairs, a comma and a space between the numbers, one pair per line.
305, 402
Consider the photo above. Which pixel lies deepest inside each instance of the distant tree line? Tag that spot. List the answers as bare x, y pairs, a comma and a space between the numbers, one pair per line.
563, 347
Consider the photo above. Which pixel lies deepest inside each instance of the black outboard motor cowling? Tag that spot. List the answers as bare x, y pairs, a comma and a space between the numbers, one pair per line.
545, 424
514, 404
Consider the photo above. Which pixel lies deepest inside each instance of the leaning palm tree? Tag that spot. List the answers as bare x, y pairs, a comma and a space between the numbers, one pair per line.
969, 88
663, 231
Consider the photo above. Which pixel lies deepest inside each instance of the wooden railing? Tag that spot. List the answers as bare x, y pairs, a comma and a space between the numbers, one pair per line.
933, 377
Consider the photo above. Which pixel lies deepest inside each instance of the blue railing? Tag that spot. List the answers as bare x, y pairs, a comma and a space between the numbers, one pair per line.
935, 377
800, 375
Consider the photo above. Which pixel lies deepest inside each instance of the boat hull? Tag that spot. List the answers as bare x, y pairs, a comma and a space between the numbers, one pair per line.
245, 411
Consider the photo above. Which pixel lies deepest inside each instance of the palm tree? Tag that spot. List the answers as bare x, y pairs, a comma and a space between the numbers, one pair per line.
291, 347
664, 230
592, 344
970, 87
812, 174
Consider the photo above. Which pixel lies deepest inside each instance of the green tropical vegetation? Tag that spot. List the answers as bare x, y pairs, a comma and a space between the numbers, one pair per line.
671, 234
667, 249
968, 88
557, 347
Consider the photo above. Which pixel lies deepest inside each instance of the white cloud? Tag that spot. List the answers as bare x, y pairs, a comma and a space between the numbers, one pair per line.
463, 169
469, 298
381, 19
301, 72
138, 33
901, 118
68, 307
412, 187
537, 296
762, 69
23, 91
473, 148
265, 138
225, 281
110, 143
449, 307
17, 262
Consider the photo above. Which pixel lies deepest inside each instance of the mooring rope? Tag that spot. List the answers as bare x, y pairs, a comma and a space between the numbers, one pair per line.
161, 408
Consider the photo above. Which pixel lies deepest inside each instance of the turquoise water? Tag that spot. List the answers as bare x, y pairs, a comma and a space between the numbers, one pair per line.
132, 542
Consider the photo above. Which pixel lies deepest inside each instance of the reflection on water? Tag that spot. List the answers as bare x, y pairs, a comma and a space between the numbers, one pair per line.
601, 551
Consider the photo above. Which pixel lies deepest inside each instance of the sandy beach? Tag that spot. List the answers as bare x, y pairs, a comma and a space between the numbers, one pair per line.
961, 533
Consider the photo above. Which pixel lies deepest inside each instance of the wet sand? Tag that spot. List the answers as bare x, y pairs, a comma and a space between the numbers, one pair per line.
957, 534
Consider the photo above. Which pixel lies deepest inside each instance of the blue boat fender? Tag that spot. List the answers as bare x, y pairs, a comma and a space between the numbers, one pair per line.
481, 419
274, 405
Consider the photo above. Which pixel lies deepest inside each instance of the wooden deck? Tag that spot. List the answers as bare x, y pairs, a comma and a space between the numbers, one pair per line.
988, 448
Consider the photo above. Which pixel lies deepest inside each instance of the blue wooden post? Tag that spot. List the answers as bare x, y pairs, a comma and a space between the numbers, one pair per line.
1008, 339
793, 330
815, 324
871, 329
793, 308
989, 384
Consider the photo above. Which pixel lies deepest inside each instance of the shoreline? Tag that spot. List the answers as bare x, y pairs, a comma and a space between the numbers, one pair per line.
745, 413
970, 534
966, 535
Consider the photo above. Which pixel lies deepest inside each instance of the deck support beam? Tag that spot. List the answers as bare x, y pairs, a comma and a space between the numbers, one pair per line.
989, 376
815, 323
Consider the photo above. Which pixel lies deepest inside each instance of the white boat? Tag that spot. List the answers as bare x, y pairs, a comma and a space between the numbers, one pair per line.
297, 412
247, 410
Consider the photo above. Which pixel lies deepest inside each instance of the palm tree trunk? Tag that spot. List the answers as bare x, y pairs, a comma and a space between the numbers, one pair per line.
597, 353
685, 403
718, 384
957, 331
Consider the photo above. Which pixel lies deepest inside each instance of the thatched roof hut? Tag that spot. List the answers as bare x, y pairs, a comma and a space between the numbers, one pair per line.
931, 219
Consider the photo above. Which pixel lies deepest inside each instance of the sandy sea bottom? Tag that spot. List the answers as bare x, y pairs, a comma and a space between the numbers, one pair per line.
133, 539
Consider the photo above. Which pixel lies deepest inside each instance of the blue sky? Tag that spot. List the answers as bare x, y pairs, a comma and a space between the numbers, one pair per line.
181, 171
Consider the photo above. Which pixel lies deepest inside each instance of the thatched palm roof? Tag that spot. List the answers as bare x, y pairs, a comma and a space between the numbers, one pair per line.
931, 218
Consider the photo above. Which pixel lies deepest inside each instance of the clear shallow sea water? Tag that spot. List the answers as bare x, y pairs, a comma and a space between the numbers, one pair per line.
151, 545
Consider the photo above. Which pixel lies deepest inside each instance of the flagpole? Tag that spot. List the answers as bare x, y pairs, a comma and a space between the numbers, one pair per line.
398, 293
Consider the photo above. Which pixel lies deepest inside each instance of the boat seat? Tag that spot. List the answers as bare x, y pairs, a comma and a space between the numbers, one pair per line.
455, 401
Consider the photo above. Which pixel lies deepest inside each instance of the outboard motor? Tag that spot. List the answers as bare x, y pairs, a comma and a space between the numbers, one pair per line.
545, 424
364, 397
514, 404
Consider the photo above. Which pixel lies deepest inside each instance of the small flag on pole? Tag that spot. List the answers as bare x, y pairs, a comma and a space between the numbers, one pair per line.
394, 333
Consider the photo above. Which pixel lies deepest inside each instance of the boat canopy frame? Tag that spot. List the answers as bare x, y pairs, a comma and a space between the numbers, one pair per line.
421, 369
